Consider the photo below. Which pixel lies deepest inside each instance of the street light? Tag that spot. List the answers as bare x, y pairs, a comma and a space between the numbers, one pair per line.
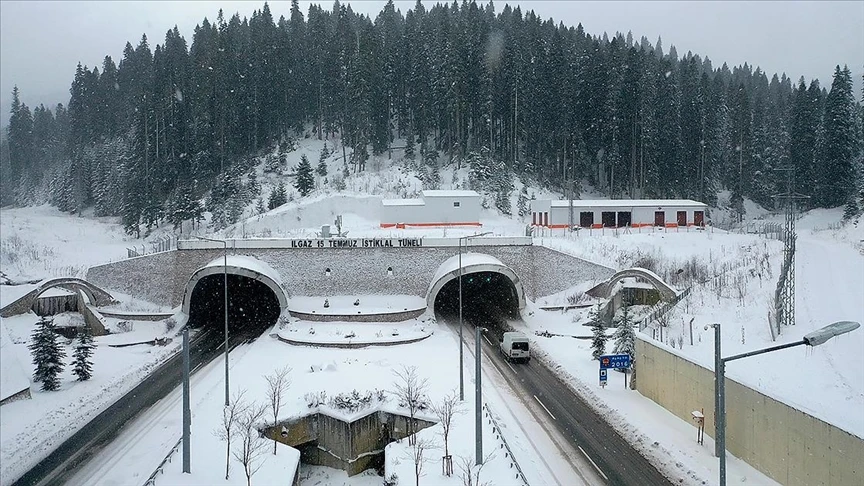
478, 405
225, 275
461, 340
815, 338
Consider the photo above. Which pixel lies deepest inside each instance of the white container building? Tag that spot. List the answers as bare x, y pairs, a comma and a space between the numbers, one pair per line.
618, 213
435, 208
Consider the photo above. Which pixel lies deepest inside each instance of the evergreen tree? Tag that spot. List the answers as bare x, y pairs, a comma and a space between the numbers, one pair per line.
278, 197
598, 333
837, 169
522, 202
83, 351
305, 179
625, 335
259, 206
321, 170
47, 355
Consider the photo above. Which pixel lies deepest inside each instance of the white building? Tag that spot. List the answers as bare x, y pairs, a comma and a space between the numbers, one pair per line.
618, 213
435, 208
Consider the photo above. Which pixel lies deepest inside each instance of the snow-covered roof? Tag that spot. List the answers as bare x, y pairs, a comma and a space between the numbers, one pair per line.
449, 193
13, 378
402, 202
627, 203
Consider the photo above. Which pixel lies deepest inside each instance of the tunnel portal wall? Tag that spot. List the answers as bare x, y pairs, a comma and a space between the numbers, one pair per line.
161, 278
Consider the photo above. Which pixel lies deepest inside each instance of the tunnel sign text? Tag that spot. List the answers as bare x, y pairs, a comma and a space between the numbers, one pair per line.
358, 243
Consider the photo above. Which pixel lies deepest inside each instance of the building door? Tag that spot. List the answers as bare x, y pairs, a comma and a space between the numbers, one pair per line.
586, 219
545, 219
699, 218
659, 218
682, 218
625, 218
608, 219
533, 219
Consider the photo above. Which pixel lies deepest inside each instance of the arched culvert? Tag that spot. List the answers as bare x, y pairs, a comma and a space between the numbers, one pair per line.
255, 297
491, 291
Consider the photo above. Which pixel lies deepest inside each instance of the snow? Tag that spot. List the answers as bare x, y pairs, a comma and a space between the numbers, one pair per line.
356, 333
240, 261
450, 193
627, 203
468, 260
344, 304
32, 428
11, 293
403, 202
13, 378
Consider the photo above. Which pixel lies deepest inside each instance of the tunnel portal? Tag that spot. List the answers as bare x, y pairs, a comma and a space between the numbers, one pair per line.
252, 305
488, 298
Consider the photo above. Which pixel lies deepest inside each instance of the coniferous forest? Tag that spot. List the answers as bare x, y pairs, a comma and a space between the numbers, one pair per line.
146, 137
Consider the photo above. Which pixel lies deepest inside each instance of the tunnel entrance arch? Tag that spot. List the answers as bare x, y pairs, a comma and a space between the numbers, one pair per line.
491, 291
255, 296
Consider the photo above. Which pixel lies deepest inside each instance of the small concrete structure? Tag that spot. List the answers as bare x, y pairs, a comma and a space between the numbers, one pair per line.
604, 289
352, 446
25, 304
618, 213
436, 208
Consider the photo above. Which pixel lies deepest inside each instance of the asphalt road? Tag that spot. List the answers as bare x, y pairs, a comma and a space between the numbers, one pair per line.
613, 457
61, 464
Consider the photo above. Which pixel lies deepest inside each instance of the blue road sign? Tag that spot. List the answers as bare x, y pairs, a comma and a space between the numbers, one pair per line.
603, 375
614, 361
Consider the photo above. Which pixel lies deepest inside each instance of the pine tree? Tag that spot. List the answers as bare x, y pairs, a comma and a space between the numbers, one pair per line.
278, 197
522, 202
625, 336
84, 349
598, 333
305, 180
260, 206
47, 355
321, 170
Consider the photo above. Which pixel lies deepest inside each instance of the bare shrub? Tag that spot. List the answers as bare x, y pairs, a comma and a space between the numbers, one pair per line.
125, 326
170, 324
470, 473
277, 384
418, 452
576, 298
228, 426
411, 393
444, 410
252, 443
315, 399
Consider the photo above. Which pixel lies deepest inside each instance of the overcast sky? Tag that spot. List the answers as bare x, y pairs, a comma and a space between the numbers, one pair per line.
42, 41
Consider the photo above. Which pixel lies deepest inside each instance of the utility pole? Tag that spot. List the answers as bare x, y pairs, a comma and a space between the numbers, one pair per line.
187, 411
785, 294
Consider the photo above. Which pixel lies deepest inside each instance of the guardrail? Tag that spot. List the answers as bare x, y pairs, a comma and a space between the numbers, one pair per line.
151, 481
663, 308
496, 429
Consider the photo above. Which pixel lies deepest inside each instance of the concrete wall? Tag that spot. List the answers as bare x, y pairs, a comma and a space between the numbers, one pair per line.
161, 278
788, 445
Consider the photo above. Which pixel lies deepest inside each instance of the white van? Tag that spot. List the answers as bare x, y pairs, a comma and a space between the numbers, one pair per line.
514, 347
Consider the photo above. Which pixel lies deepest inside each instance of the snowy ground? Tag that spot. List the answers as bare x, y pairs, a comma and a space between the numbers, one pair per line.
41, 242
32, 428
334, 372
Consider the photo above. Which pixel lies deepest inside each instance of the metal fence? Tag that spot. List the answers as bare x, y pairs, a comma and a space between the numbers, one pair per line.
496, 429
662, 308
166, 243
151, 481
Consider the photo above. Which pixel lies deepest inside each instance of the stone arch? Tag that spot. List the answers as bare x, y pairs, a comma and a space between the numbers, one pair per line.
243, 266
96, 295
603, 289
472, 263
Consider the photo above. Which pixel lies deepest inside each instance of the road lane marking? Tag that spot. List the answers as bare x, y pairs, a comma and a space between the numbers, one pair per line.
487, 340
511, 367
544, 407
592, 462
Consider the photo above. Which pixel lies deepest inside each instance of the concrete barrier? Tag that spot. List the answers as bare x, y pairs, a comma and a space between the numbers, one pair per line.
788, 445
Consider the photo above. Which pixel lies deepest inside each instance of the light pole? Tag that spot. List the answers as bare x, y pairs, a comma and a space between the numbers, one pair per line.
461, 340
815, 338
478, 405
225, 282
